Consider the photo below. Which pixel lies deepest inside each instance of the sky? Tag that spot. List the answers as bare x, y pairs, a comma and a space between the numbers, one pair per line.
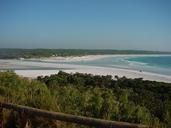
86, 24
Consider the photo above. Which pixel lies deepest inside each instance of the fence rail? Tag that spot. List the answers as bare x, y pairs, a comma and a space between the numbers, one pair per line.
70, 118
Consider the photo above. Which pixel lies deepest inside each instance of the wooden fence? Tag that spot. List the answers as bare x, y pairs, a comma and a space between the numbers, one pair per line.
66, 117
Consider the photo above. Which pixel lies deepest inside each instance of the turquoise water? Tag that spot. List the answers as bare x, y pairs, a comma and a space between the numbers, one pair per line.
160, 61
155, 64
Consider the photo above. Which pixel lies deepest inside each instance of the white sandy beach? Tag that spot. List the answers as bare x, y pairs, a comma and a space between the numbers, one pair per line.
98, 71
32, 69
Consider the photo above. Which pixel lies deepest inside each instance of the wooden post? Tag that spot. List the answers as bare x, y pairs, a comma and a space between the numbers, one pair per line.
1, 117
23, 120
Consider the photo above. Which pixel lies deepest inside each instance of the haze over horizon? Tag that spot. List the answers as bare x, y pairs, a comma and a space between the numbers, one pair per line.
90, 24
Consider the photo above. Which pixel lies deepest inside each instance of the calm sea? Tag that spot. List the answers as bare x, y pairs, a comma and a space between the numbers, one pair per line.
160, 64
159, 61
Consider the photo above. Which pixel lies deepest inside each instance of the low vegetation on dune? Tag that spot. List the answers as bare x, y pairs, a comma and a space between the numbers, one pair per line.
123, 99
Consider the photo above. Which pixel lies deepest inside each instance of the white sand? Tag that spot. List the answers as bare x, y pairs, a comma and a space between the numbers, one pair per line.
98, 71
123, 72
53, 68
70, 58
35, 73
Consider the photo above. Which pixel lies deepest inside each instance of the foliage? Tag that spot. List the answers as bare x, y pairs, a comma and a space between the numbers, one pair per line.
123, 99
17, 90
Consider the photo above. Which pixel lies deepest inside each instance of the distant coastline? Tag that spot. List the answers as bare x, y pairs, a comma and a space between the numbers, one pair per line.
7, 53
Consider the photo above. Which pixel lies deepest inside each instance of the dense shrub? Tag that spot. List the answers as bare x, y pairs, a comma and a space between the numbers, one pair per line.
130, 100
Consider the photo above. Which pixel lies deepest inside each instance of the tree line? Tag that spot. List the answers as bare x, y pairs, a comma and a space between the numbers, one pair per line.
37, 53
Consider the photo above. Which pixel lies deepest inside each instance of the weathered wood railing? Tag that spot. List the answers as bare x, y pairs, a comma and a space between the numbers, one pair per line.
69, 118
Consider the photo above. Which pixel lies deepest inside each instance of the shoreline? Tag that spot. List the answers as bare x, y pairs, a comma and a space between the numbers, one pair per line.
45, 66
89, 57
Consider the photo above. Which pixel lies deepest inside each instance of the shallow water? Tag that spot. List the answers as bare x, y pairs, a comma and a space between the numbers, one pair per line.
160, 61
155, 64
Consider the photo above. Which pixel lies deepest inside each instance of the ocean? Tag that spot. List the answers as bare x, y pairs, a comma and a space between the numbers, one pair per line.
160, 64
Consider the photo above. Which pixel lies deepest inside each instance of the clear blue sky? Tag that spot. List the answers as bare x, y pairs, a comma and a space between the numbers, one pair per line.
86, 24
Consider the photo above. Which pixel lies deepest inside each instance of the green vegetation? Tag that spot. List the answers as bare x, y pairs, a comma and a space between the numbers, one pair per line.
36, 53
131, 100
